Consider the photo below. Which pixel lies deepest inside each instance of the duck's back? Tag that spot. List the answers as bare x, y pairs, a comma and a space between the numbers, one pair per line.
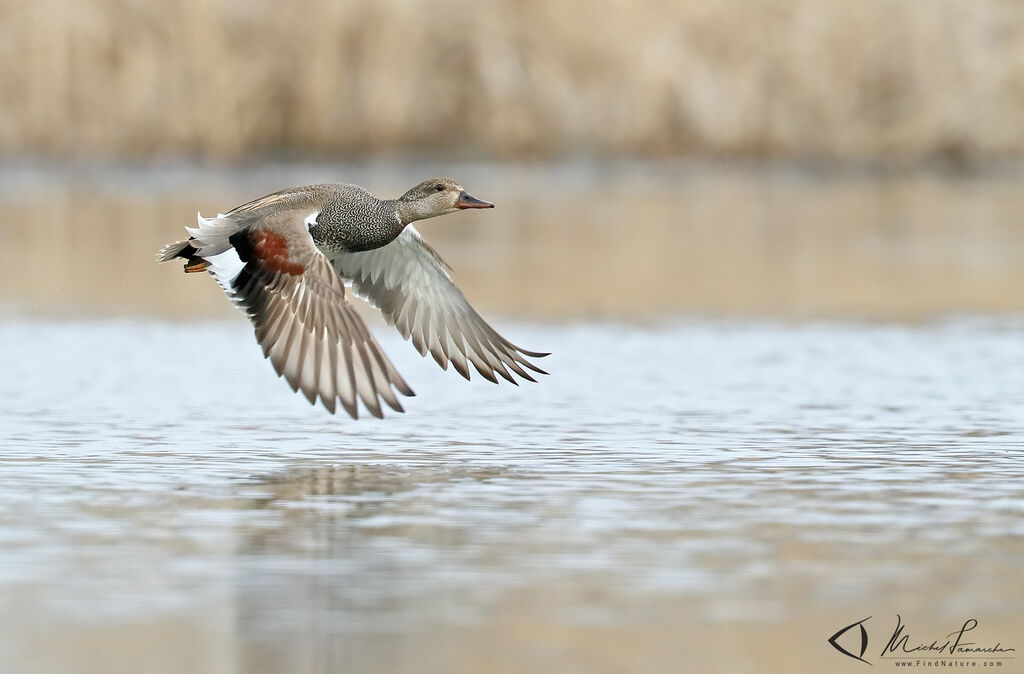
341, 217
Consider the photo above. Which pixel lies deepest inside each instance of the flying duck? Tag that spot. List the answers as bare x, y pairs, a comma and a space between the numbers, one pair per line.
284, 260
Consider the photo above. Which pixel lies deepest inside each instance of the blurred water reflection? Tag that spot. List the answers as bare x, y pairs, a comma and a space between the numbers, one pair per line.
614, 240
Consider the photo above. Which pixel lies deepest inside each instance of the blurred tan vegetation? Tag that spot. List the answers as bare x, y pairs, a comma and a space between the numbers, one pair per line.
227, 79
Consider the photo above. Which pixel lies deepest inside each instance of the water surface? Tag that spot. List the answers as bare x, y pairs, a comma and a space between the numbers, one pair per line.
718, 493
690, 496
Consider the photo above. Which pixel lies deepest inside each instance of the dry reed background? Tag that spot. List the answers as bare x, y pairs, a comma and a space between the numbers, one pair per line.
896, 79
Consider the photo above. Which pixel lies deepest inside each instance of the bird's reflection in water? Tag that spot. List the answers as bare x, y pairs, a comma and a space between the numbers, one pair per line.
365, 481
348, 557
342, 509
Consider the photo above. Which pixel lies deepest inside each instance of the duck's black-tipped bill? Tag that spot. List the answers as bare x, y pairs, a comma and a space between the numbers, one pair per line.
467, 201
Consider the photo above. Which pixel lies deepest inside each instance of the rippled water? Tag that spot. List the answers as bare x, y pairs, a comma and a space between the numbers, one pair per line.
696, 496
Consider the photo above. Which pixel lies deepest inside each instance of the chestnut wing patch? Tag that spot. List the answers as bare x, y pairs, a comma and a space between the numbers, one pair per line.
267, 248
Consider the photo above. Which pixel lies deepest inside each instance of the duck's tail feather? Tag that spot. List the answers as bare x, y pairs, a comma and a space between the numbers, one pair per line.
208, 243
176, 249
186, 251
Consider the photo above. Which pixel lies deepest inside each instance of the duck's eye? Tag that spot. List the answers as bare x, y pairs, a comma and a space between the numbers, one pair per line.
439, 188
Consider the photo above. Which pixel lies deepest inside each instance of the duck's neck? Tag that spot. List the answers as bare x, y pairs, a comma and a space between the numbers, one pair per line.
411, 211
402, 212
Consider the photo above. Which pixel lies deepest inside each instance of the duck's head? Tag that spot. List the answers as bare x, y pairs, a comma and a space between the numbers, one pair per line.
434, 197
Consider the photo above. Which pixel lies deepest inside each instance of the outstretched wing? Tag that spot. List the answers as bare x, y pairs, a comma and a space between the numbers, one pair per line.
306, 326
409, 282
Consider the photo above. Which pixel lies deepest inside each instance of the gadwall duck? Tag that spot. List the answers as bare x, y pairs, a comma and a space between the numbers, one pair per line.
284, 260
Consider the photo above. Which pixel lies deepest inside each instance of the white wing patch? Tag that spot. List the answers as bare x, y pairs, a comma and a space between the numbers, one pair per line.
225, 267
311, 219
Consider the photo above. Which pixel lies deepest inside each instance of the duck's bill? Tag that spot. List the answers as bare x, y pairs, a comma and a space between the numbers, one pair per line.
467, 201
